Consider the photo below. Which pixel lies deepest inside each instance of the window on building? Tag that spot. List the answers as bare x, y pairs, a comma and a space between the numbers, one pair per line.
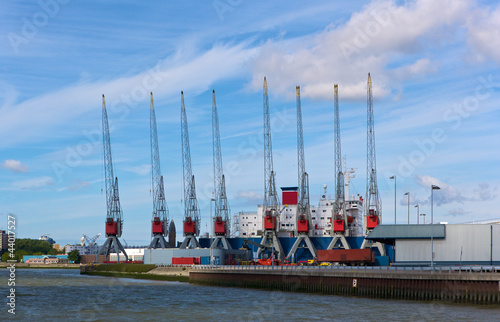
322, 218
313, 218
314, 210
324, 210
244, 234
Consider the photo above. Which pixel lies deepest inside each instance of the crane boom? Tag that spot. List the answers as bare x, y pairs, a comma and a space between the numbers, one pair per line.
114, 214
160, 210
221, 219
339, 205
191, 210
114, 210
339, 216
270, 205
303, 182
270, 195
303, 213
373, 205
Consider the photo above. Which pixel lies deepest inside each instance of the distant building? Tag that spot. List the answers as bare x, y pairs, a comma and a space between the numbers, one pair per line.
83, 250
47, 239
46, 259
4, 237
134, 254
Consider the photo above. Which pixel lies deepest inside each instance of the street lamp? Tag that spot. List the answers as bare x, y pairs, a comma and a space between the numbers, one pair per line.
408, 194
418, 212
394, 177
423, 215
211, 233
433, 187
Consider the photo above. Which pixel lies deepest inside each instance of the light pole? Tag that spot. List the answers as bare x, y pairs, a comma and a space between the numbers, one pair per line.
408, 194
418, 213
433, 187
394, 177
423, 215
211, 233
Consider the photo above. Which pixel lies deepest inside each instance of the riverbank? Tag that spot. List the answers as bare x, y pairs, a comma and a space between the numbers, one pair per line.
43, 266
446, 285
138, 271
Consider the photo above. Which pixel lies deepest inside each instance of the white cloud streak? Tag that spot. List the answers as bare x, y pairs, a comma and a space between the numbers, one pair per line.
15, 166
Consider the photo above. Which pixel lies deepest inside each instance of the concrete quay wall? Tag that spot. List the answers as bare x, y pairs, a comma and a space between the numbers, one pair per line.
475, 287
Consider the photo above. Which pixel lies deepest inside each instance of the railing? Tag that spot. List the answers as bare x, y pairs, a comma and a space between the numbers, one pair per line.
360, 269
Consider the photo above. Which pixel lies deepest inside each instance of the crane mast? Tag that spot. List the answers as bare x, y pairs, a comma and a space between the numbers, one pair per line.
159, 225
114, 214
373, 205
221, 220
270, 205
339, 216
191, 210
303, 222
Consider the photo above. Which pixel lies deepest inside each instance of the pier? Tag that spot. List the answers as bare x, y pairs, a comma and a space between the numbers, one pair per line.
474, 285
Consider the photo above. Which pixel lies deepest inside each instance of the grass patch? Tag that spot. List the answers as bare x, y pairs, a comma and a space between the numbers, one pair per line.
124, 268
140, 276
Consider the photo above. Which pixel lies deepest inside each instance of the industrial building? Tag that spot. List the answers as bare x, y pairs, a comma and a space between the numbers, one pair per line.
460, 244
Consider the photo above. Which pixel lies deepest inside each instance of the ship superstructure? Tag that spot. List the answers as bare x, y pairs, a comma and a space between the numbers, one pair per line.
250, 223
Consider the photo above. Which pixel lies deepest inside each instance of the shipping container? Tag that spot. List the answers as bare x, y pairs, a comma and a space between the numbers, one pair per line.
346, 256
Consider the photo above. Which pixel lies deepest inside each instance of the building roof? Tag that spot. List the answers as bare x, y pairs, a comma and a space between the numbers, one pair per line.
389, 233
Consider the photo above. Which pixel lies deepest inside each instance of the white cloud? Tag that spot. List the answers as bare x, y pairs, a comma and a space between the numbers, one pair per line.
250, 195
140, 169
483, 37
447, 194
33, 184
367, 42
458, 212
15, 166
167, 78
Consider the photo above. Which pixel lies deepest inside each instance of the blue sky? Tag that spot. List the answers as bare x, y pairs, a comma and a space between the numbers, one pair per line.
436, 85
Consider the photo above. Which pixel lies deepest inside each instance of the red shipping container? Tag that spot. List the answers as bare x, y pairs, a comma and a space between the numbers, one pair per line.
346, 255
185, 260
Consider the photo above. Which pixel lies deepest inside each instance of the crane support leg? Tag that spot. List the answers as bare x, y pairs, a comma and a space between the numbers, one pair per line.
369, 244
221, 240
298, 242
112, 243
271, 240
190, 241
339, 238
158, 242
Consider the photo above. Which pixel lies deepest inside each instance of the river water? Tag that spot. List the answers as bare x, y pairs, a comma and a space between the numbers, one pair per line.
65, 295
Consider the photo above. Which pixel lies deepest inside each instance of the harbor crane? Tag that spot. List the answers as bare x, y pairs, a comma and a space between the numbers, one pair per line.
191, 210
159, 222
270, 205
221, 220
339, 215
303, 218
373, 205
89, 241
114, 213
